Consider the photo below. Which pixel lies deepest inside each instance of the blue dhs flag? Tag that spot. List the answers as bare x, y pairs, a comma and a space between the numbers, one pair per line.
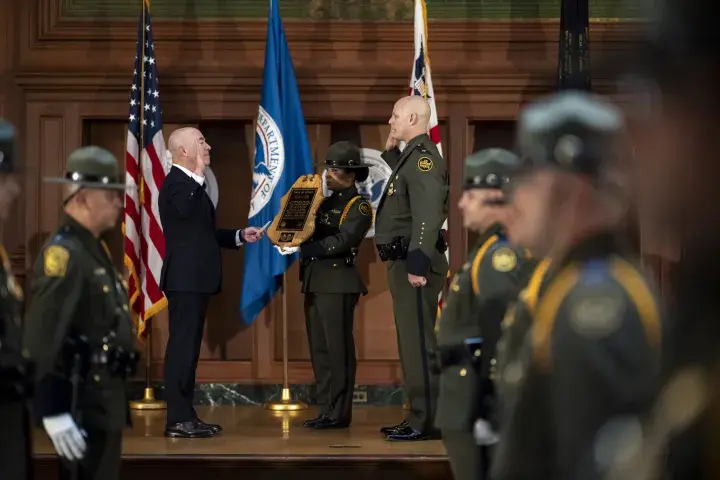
282, 154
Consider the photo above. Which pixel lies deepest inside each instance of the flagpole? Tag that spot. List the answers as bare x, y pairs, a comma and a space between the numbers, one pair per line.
148, 402
285, 404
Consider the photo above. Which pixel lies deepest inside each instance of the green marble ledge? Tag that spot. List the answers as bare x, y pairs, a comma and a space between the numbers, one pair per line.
242, 394
362, 10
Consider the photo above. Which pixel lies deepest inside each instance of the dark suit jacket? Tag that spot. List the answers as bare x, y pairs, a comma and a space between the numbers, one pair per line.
192, 260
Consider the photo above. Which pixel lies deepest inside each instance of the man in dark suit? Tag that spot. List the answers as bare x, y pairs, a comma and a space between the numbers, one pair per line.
191, 273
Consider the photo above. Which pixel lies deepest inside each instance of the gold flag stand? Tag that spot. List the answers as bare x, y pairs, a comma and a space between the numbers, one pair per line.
149, 402
285, 404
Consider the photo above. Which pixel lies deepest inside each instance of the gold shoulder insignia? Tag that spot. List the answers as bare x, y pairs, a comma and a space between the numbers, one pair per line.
365, 208
56, 260
597, 316
425, 164
504, 259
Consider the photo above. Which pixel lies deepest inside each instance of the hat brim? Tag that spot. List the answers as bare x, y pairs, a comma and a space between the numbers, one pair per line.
348, 167
98, 185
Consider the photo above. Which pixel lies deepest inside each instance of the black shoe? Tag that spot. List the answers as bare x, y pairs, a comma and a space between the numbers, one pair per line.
313, 421
409, 434
327, 423
212, 426
395, 428
188, 430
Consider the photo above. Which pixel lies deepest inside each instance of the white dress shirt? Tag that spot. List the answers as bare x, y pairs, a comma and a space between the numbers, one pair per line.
201, 180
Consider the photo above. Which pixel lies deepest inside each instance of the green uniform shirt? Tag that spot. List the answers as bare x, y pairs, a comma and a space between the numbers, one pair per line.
342, 221
414, 203
477, 300
76, 290
591, 355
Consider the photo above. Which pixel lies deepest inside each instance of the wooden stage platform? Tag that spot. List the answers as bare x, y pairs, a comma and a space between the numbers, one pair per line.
257, 443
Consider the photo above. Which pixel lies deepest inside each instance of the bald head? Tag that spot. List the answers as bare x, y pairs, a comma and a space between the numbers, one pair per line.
410, 118
189, 149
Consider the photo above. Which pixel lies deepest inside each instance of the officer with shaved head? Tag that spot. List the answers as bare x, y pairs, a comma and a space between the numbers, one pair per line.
408, 224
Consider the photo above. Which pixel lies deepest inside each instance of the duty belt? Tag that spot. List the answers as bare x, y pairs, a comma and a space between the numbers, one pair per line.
347, 258
118, 361
447, 356
397, 249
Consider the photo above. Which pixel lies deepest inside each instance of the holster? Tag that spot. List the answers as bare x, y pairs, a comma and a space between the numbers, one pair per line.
16, 377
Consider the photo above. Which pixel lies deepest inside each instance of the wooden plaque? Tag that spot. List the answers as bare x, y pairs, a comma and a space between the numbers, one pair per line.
295, 222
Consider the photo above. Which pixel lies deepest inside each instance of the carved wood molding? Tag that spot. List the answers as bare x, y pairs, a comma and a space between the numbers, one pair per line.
219, 54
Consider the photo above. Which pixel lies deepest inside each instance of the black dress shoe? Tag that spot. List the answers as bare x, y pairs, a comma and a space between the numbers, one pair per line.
395, 428
212, 426
188, 430
327, 423
409, 434
313, 421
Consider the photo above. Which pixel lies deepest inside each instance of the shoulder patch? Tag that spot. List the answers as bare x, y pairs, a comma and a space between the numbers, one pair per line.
504, 259
55, 260
425, 164
365, 208
597, 315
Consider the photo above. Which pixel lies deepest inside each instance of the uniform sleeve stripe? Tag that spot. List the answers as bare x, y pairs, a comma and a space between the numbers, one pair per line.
544, 321
533, 289
478, 260
640, 294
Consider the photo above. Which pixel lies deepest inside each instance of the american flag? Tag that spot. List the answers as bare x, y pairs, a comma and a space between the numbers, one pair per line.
421, 85
144, 174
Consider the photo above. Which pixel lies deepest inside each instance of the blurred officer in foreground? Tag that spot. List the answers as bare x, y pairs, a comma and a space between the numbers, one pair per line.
469, 328
15, 369
675, 130
78, 325
332, 284
591, 360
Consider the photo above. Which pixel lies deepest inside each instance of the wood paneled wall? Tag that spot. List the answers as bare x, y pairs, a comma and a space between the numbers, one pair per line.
65, 82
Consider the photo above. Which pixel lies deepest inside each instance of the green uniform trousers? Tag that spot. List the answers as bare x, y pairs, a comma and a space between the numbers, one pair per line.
329, 323
467, 459
404, 298
102, 457
15, 441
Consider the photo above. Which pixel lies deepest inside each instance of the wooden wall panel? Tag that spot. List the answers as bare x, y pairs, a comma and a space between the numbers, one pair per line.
62, 76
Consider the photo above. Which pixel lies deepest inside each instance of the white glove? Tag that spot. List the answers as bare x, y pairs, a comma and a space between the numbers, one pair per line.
484, 434
286, 250
68, 439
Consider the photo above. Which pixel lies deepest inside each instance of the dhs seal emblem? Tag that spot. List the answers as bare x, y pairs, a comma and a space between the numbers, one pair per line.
269, 161
371, 189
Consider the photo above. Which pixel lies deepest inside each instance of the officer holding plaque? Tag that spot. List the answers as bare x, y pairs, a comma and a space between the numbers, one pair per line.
332, 285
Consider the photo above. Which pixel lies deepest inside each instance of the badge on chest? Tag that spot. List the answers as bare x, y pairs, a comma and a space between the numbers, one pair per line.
330, 218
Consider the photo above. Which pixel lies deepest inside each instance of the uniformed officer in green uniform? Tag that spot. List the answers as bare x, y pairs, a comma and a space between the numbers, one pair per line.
15, 369
78, 325
590, 362
479, 296
332, 284
408, 236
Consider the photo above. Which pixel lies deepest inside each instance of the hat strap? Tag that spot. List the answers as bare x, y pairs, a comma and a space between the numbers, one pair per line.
80, 177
